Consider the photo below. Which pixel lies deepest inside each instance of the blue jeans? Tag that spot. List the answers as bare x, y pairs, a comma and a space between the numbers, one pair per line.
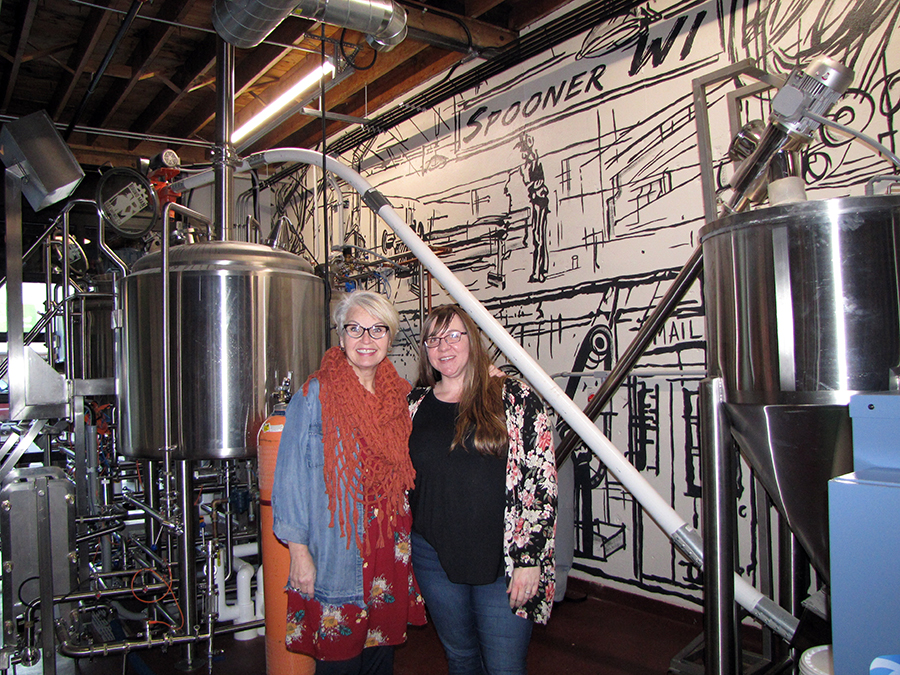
479, 632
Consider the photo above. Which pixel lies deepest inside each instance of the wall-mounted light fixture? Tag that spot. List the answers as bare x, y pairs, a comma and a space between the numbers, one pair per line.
282, 101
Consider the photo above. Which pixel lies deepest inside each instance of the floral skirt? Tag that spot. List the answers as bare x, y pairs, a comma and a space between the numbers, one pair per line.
340, 632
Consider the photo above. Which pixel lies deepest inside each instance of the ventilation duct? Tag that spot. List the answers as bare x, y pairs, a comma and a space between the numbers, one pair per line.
246, 23
534, 43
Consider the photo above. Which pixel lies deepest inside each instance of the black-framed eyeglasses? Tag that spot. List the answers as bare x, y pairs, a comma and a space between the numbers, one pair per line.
452, 338
375, 332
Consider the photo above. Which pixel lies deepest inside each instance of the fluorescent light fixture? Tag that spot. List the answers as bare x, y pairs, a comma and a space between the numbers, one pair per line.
282, 101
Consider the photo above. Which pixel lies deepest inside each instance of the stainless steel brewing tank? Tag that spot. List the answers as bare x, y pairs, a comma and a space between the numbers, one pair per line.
802, 312
801, 300
242, 316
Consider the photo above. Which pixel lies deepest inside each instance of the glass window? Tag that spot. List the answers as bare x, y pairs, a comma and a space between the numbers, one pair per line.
33, 298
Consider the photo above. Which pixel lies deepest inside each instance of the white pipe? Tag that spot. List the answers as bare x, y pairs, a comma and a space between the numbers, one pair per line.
339, 217
634, 482
682, 534
242, 611
226, 612
244, 550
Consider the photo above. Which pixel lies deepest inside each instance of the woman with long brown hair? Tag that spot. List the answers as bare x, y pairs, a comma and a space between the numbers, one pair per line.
484, 503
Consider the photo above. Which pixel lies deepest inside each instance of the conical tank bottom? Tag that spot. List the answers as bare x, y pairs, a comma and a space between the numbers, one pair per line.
795, 450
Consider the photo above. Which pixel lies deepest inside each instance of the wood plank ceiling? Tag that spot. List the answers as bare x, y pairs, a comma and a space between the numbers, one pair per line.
125, 79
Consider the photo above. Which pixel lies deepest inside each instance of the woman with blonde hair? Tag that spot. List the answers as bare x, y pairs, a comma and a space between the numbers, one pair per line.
339, 500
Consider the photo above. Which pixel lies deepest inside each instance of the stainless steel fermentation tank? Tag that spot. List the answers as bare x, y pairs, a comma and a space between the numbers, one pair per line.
241, 317
802, 312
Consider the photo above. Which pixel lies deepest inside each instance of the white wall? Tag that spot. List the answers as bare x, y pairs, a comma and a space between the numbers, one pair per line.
611, 118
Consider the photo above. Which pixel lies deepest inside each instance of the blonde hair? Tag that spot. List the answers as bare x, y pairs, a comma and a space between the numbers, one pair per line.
481, 410
374, 303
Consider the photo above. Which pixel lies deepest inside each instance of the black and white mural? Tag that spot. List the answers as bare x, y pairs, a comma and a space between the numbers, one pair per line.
566, 195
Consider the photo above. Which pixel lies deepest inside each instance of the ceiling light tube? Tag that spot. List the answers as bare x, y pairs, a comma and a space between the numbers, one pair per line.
282, 101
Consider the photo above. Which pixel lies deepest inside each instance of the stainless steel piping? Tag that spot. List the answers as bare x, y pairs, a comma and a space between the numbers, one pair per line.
224, 157
720, 623
246, 23
67, 305
123, 646
172, 525
166, 327
151, 556
100, 533
107, 593
152, 495
187, 560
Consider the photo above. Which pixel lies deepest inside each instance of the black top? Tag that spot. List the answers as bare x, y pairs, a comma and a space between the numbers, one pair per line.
459, 498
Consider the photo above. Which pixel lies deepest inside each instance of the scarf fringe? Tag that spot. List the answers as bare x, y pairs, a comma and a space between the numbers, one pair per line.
365, 435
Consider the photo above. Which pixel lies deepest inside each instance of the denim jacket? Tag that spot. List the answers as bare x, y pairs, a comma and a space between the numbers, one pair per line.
300, 504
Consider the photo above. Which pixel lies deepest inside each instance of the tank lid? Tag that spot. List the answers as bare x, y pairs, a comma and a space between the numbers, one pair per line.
813, 211
226, 255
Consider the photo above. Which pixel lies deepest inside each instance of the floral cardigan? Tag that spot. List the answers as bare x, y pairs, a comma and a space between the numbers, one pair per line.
530, 516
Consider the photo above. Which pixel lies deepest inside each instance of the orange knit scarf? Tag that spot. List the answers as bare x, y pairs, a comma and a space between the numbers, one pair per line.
366, 439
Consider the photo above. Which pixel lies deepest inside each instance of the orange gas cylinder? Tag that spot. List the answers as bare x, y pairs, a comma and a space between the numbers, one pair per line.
275, 557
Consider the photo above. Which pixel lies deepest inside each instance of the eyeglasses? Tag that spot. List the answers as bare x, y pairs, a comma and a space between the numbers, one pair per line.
452, 338
375, 332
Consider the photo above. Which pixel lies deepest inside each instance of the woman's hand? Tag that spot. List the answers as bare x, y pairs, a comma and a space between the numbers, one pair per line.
524, 585
303, 570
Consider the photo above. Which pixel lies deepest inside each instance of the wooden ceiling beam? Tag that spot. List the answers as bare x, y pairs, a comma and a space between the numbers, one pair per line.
77, 64
150, 43
119, 152
249, 69
455, 32
476, 8
385, 64
49, 53
386, 90
198, 63
17, 49
527, 13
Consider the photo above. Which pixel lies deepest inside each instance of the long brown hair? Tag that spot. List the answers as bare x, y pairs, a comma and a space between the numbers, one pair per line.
481, 405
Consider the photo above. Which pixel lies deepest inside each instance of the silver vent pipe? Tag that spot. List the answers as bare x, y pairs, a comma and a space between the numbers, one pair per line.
223, 157
246, 23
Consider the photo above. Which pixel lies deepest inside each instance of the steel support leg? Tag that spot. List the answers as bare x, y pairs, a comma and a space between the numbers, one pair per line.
722, 653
